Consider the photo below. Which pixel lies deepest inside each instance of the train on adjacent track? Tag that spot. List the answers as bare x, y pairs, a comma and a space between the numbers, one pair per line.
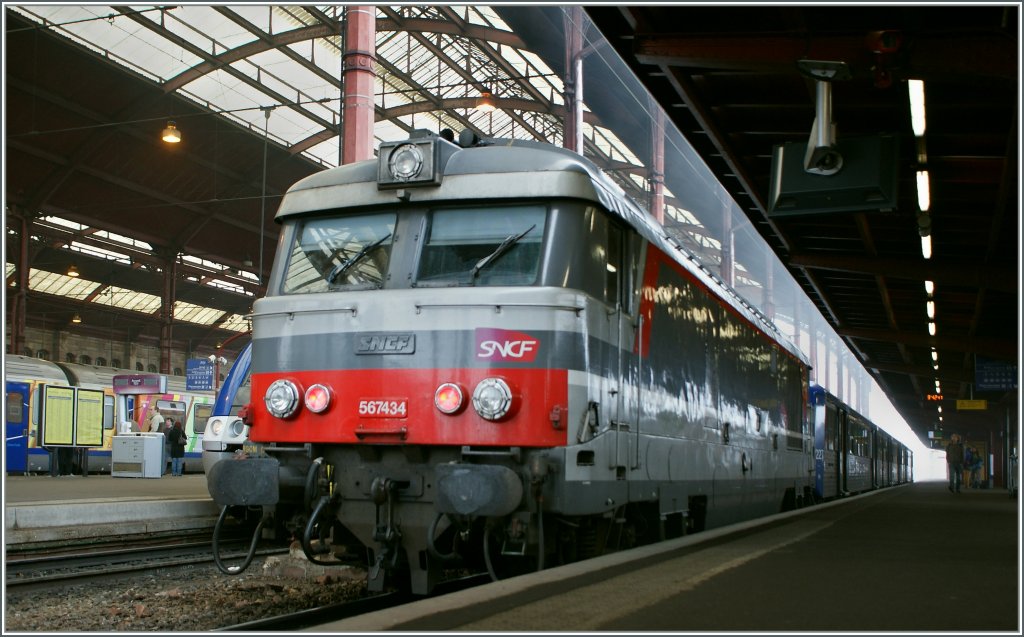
483, 353
25, 453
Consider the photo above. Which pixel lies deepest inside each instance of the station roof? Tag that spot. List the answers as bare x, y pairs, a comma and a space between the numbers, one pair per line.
255, 91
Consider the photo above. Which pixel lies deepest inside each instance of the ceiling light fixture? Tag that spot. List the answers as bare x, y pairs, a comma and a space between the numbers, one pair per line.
171, 134
485, 104
73, 271
929, 287
926, 247
931, 309
917, 118
76, 319
924, 198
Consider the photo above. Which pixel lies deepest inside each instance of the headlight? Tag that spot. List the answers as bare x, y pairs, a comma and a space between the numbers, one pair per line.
237, 429
409, 163
216, 425
405, 162
282, 398
318, 398
448, 398
492, 398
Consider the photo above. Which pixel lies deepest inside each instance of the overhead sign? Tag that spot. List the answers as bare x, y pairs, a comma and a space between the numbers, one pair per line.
966, 405
198, 374
140, 384
993, 375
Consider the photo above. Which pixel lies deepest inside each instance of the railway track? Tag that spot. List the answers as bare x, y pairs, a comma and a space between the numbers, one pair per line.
52, 569
326, 614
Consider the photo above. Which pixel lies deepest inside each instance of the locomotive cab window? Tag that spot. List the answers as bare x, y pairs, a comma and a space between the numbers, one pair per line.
333, 253
498, 245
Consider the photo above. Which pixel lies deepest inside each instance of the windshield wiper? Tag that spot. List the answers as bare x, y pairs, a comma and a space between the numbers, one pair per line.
352, 260
502, 248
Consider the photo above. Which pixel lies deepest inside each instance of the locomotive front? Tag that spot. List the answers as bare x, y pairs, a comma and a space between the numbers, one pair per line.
410, 362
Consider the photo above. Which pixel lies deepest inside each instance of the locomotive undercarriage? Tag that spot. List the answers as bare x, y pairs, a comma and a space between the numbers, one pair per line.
416, 512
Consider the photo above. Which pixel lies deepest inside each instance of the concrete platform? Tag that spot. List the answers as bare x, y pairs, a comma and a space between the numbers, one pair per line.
911, 558
44, 510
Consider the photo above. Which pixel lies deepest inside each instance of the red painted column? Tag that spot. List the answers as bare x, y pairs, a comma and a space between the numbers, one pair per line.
359, 78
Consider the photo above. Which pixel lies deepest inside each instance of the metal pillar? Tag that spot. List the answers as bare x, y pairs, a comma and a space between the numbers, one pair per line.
19, 299
572, 135
726, 267
359, 60
656, 174
827, 382
167, 313
814, 352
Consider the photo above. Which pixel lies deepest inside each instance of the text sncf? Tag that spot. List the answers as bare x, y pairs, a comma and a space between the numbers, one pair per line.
505, 345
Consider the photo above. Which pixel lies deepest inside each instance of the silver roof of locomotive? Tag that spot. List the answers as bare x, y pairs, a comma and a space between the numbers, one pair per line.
513, 169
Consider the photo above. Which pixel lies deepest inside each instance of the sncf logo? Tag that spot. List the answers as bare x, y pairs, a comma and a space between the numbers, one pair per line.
504, 345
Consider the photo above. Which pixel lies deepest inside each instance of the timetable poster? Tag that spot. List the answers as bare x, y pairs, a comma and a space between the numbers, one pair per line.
89, 418
58, 416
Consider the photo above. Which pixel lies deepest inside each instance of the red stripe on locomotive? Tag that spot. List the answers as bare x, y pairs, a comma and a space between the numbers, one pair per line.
366, 407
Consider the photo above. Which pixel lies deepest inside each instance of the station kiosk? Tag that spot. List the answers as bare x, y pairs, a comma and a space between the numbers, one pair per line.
137, 454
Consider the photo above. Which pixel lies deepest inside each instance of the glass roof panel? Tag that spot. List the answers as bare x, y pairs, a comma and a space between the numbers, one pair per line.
236, 322
195, 313
126, 299
60, 284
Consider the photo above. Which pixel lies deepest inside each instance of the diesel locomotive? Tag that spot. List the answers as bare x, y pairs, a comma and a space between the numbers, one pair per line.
482, 352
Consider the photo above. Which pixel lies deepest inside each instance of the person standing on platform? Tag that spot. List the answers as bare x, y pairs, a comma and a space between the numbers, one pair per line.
975, 467
178, 439
156, 421
955, 460
165, 429
968, 463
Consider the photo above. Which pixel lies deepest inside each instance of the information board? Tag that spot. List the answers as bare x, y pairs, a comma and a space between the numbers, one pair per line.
198, 374
72, 417
994, 375
58, 416
89, 418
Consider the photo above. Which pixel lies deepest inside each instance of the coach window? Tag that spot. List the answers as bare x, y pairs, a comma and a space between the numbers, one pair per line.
622, 263
496, 245
333, 253
15, 406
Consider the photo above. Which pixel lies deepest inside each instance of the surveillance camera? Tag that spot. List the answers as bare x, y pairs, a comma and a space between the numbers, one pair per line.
823, 160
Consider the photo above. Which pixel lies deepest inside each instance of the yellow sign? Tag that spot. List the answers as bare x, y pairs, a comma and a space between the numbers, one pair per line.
58, 415
964, 405
89, 418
